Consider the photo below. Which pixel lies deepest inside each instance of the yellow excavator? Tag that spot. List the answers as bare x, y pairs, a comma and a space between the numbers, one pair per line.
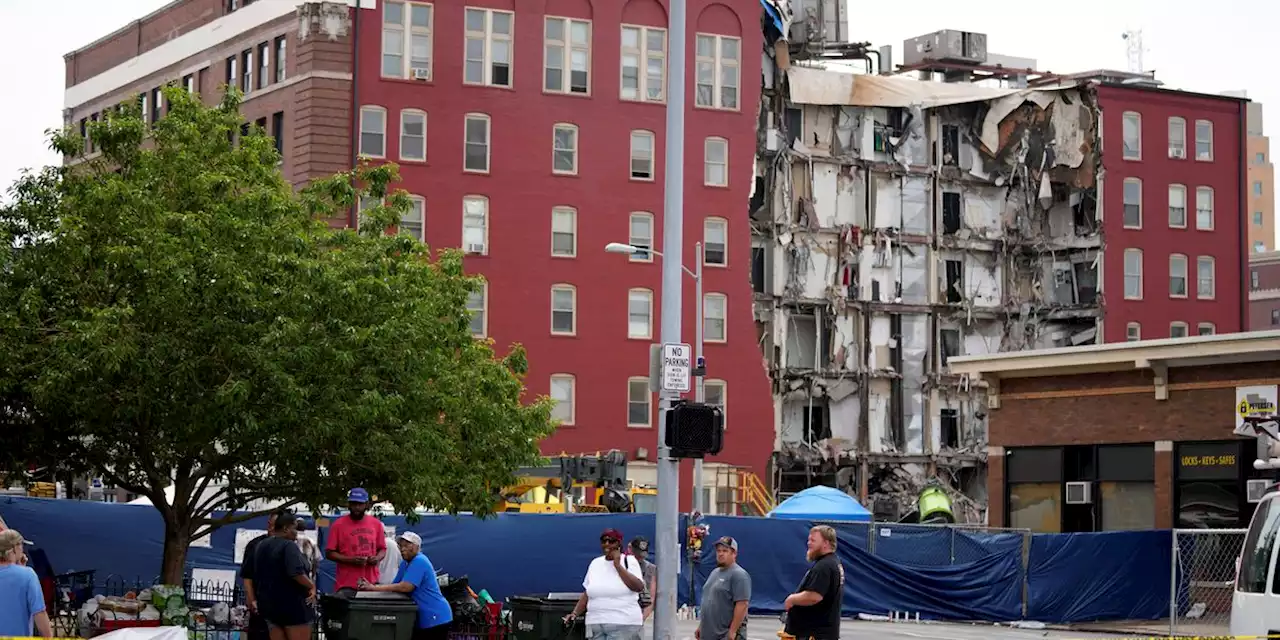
552, 487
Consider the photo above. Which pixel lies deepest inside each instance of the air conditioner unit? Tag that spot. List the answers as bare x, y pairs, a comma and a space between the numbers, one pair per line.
1180, 153
1254, 490
421, 73
1079, 493
475, 248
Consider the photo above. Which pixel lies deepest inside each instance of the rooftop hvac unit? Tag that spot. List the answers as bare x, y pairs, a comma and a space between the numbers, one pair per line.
1079, 493
947, 45
819, 21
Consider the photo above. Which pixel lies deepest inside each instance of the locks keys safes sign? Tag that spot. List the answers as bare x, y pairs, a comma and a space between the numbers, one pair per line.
677, 368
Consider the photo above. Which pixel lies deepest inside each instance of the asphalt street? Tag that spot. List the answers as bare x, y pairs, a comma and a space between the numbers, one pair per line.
766, 628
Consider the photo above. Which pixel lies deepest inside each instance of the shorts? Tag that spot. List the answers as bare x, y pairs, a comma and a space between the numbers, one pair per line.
438, 632
614, 631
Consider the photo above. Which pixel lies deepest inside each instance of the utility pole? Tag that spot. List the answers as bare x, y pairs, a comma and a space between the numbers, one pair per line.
700, 389
668, 516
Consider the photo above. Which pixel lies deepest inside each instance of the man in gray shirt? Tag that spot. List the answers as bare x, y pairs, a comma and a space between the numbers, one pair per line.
725, 596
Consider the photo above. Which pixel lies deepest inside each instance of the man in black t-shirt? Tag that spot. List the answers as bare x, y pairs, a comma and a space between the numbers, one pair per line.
285, 594
257, 625
813, 611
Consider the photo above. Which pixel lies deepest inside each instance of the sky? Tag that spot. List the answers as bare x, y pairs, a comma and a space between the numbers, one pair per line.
1190, 44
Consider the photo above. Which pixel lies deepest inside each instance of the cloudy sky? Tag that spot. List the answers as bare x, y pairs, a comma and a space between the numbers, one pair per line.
1192, 44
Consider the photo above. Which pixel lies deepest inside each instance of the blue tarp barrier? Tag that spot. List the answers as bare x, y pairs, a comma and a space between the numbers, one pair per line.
946, 574
1082, 577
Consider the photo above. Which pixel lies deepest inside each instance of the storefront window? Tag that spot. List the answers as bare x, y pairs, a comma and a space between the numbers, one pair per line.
1127, 506
1036, 506
1209, 505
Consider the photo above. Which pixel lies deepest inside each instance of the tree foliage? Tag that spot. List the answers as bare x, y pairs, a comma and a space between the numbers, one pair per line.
173, 313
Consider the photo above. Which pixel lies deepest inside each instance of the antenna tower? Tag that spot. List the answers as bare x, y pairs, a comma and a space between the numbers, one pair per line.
1133, 38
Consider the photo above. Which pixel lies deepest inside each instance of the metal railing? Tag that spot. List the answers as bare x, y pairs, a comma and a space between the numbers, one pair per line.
1202, 580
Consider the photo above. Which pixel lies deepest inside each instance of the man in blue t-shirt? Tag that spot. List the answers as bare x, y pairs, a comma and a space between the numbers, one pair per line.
21, 599
417, 578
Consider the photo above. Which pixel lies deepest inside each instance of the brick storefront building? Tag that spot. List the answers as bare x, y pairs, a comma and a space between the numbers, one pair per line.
1146, 425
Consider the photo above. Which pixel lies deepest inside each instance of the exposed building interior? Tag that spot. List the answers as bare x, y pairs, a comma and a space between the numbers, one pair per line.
899, 221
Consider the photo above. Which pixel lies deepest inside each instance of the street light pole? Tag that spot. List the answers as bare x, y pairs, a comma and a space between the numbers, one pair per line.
668, 516
700, 392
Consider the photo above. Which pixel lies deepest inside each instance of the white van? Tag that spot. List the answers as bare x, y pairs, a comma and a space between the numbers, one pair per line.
1255, 605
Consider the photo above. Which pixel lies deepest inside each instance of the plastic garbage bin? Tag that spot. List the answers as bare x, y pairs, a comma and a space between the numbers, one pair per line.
369, 615
541, 617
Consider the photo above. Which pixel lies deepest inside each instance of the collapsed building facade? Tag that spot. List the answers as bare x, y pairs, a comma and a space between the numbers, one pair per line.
897, 223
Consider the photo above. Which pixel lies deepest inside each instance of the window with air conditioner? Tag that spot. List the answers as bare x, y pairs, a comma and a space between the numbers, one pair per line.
406, 39
1177, 138
1079, 493
475, 225
1256, 489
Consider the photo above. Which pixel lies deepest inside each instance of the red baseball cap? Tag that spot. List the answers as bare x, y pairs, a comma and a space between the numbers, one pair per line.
611, 534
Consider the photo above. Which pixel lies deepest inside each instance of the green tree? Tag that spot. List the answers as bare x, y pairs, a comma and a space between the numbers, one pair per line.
173, 313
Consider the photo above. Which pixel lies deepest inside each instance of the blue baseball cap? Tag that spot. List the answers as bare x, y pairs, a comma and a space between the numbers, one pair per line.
358, 495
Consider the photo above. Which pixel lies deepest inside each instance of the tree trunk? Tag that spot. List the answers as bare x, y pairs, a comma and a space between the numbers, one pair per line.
173, 566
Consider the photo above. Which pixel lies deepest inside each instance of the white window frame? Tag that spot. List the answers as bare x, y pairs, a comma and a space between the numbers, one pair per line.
1132, 332
1205, 195
708, 165
653, 152
1127, 274
1131, 120
407, 32
558, 215
1178, 142
1177, 191
421, 236
562, 287
647, 89
483, 310
364, 204
1208, 155
557, 150
1210, 283
382, 113
568, 47
638, 382
468, 224
573, 396
707, 225
631, 237
647, 296
412, 113
247, 71
1123, 203
718, 65
715, 383
489, 38
1186, 331
264, 66
1176, 259
282, 57
708, 319
1200, 329
488, 141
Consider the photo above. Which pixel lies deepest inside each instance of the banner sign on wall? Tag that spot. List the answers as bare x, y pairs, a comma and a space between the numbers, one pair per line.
1255, 402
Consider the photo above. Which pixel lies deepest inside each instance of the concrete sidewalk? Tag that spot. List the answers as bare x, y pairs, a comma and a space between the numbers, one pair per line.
766, 628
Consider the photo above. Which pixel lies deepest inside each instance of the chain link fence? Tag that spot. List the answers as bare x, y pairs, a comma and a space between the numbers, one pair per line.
1203, 580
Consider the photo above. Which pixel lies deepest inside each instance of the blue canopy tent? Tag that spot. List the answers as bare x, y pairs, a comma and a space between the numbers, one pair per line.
821, 503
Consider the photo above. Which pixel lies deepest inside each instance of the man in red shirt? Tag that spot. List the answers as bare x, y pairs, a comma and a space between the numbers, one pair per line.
357, 544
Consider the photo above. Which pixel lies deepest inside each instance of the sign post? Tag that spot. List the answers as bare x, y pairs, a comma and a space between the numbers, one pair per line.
677, 368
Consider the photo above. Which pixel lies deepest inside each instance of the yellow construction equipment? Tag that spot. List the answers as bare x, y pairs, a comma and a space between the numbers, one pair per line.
571, 484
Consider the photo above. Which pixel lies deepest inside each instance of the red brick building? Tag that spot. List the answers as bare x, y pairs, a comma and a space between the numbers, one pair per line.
1174, 201
531, 135
1132, 435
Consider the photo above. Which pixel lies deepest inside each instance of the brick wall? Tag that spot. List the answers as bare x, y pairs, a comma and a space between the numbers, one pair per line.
141, 36
1120, 407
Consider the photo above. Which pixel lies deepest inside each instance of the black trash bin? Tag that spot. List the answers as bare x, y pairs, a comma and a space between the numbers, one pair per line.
369, 615
541, 617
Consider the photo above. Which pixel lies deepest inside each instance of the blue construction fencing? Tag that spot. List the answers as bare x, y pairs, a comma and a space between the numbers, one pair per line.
940, 573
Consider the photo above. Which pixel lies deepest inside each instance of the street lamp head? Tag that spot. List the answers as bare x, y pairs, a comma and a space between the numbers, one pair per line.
618, 247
